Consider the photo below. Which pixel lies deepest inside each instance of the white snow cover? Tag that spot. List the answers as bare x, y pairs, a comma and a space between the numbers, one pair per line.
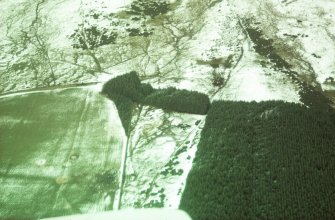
170, 57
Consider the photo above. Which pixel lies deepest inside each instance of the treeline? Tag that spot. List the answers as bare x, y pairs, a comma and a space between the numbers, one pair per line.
309, 95
269, 160
179, 100
124, 107
128, 85
127, 88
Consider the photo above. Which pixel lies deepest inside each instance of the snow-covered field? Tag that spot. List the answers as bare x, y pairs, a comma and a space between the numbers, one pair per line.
60, 151
160, 154
303, 30
190, 47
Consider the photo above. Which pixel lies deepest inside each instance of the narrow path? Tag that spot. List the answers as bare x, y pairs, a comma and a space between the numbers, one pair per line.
125, 146
21, 92
118, 196
125, 140
75, 141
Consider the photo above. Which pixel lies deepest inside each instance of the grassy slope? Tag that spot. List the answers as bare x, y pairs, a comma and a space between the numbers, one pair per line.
54, 126
263, 161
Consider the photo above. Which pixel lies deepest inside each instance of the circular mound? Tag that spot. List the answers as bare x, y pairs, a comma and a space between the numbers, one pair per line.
40, 162
62, 180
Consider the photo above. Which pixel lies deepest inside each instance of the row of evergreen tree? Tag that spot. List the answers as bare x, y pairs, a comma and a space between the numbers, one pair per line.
127, 89
269, 160
179, 100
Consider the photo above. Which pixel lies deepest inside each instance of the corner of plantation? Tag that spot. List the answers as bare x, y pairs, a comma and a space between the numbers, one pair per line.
255, 160
264, 160
127, 90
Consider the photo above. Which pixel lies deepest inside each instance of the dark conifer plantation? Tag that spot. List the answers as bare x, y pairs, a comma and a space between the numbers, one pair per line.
269, 160
127, 90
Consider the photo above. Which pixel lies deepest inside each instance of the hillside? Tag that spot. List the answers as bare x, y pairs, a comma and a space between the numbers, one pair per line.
186, 55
